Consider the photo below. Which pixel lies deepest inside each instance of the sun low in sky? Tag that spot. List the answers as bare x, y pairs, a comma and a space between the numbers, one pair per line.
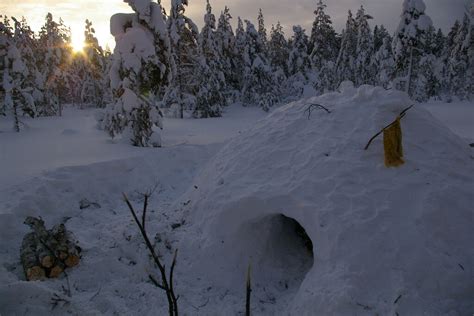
288, 12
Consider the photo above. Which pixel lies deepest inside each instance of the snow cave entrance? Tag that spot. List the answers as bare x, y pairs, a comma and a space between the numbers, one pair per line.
282, 252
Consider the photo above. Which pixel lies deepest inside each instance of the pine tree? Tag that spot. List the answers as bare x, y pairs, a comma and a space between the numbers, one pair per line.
54, 41
347, 54
238, 60
409, 41
278, 50
380, 33
323, 41
364, 73
260, 87
210, 99
27, 46
17, 98
140, 69
225, 46
459, 80
384, 63
262, 31
185, 61
298, 62
92, 90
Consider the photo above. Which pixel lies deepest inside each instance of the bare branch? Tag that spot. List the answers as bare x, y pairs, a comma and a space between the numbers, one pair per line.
166, 284
248, 291
401, 115
314, 105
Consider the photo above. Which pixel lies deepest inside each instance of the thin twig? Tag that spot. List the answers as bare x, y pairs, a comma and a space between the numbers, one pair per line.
155, 282
166, 284
145, 205
310, 107
248, 291
401, 115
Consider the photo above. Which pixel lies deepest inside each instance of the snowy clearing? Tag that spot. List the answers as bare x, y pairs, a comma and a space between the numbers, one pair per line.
207, 182
74, 140
458, 116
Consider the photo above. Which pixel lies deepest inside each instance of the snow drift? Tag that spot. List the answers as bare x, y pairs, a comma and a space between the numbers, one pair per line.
379, 240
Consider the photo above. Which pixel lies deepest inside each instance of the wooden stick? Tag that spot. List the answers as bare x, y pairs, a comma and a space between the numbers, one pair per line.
401, 115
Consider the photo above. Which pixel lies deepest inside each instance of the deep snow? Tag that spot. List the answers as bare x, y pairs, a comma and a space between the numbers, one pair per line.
357, 212
378, 233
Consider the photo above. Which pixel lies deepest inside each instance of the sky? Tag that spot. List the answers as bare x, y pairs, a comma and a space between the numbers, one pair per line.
288, 12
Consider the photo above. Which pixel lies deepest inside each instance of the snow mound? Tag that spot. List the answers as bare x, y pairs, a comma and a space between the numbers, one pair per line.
327, 228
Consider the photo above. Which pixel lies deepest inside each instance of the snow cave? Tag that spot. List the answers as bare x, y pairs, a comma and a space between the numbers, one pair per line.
371, 238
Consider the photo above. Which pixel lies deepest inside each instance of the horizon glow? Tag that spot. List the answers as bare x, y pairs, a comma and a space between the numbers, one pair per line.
289, 13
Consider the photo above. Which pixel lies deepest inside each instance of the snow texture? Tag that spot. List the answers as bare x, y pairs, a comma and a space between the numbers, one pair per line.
379, 235
385, 241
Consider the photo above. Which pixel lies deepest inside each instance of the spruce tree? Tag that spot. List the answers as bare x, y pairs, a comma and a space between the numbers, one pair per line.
323, 42
409, 42
380, 33
260, 87
54, 41
299, 63
345, 65
17, 97
239, 57
458, 63
364, 73
278, 52
140, 69
183, 34
210, 97
225, 45
262, 31
92, 91
384, 64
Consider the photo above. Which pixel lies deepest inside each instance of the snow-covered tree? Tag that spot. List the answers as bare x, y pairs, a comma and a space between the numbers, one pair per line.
458, 74
262, 31
183, 34
17, 98
278, 52
409, 41
54, 42
345, 65
92, 91
239, 48
27, 46
364, 72
225, 46
384, 63
299, 63
260, 87
210, 98
323, 42
380, 33
140, 70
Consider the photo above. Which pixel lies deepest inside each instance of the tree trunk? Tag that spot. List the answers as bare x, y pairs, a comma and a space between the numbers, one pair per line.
410, 70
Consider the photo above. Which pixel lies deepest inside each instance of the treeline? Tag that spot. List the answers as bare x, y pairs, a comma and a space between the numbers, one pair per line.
163, 61
39, 72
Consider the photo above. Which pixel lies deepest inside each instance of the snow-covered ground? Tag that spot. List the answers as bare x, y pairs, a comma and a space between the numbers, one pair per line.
458, 116
49, 168
73, 140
